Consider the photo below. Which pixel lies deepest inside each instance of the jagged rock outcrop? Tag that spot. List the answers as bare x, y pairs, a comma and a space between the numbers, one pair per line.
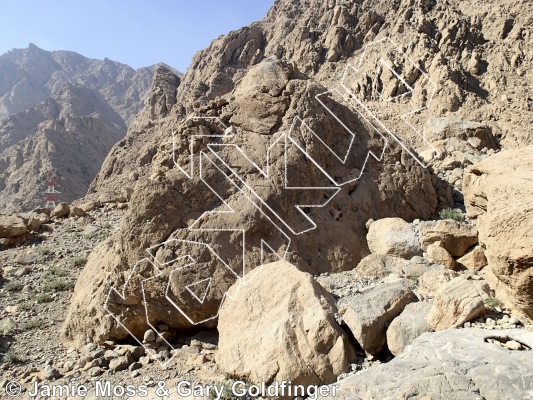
172, 201
131, 156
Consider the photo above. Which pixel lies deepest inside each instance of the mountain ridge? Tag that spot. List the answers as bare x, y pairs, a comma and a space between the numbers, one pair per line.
87, 102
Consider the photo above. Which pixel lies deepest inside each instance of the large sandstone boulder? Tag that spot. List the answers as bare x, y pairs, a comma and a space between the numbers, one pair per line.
368, 315
281, 326
455, 237
499, 193
165, 205
407, 326
456, 302
393, 236
449, 365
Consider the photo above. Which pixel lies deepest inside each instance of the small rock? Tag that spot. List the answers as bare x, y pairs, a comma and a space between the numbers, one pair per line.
89, 206
144, 361
77, 212
135, 366
110, 354
50, 373
97, 353
119, 364
69, 365
61, 210
95, 371
439, 255
149, 336
11, 226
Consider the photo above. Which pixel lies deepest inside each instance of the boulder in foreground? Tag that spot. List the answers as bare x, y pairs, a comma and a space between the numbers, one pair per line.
281, 326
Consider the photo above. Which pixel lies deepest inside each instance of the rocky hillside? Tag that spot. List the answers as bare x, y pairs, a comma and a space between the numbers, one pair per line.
340, 192
67, 134
61, 113
31, 75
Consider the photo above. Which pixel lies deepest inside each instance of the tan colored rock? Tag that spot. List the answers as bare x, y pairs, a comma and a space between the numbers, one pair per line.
89, 206
60, 211
376, 266
447, 127
439, 255
281, 326
393, 236
368, 315
499, 193
431, 281
456, 237
161, 208
418, 266
407, 326
111, 197
11, 226
34, 220
456, 302
77, 212
475, 260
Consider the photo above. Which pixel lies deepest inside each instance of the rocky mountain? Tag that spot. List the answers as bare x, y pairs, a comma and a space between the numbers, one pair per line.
340, 192
61, 113
67, 134
32, 75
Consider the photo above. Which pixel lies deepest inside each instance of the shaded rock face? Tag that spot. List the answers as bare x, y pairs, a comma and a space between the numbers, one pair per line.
499, 194
286, 329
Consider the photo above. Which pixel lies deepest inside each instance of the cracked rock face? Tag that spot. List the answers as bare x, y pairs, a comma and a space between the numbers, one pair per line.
450, 364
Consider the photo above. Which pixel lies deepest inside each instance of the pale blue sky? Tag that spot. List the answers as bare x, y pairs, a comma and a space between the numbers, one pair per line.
135, 32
